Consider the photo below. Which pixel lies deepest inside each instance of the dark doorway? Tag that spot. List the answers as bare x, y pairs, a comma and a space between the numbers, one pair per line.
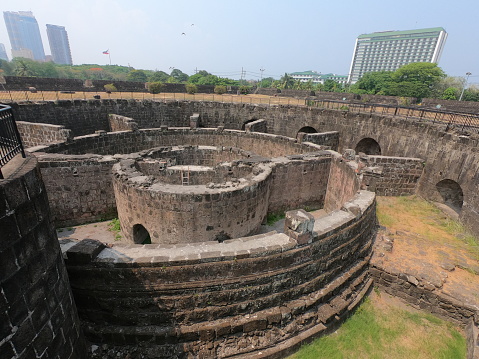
451, 193
141, 235
368, 146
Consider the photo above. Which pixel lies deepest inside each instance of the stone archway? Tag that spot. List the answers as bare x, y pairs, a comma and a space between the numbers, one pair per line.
243, 127
141, 234
451, 194
368, 146
306, 129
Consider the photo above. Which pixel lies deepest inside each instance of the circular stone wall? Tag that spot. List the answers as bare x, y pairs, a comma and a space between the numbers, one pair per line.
190, 203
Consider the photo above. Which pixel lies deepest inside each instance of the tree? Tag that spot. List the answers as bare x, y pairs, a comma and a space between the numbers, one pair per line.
415, 80
22, 67
373, 83
332, 86
266, 82
450, 94
285, 82
179, 75
6, 67
159, 76
137, 76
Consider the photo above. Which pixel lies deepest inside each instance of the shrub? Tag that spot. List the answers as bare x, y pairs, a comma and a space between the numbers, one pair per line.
220, 89
155, 87
244, 90
110, 88
191, 88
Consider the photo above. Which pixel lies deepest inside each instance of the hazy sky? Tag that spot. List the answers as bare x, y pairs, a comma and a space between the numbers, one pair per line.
222, 36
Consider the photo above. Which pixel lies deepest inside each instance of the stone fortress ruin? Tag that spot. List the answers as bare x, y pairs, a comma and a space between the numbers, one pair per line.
191, 183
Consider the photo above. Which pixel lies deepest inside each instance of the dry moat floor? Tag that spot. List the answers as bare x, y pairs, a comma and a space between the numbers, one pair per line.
416, 238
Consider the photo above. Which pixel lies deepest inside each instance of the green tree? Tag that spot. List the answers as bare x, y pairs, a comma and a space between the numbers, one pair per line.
266, 82
22, 67
137, 76
451, 93
159, 76
6, 67
373, 83
415, 80
179, 75
285, 82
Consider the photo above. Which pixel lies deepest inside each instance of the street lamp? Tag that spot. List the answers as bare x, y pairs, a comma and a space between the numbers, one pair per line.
465, 84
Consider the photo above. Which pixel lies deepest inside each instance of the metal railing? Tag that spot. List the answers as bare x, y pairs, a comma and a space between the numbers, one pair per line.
10, 141
461, 121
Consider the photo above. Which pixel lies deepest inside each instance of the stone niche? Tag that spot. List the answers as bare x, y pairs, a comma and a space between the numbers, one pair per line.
187, 194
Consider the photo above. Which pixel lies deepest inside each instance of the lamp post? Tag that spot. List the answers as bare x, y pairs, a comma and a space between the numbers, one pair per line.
465, 84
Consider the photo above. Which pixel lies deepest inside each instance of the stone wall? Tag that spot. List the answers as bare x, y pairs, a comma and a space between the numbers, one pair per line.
257, 296
256, 126
391, 176
34, 134
300, 182
79, 188
344, 182
187, 214
38, 317
329, 139
121, 123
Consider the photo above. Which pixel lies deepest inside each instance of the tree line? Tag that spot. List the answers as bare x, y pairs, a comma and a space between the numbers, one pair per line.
419, 80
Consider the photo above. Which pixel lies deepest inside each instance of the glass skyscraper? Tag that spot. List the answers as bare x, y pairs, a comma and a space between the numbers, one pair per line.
24, 34
59, 45
389, 50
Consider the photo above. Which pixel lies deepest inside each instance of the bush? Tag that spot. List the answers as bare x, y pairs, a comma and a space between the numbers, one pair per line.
110, 88
244, 90
220, 89
191, 88
155, 87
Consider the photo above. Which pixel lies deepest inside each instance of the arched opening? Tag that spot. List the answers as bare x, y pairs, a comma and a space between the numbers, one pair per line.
248, 121
306, 129
141, 235
451, 193
368, 146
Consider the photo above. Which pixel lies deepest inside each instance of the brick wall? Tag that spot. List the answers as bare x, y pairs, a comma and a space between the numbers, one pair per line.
79, 188
34, 134
38, 318
391, 176
265, 293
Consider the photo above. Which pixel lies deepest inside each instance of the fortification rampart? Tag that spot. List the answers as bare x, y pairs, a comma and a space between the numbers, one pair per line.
447, 155
38, 317
258, 296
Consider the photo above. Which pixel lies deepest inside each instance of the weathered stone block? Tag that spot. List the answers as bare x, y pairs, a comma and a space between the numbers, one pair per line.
84, 252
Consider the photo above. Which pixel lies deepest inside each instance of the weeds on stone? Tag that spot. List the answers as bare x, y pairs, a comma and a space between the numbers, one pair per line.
272, 218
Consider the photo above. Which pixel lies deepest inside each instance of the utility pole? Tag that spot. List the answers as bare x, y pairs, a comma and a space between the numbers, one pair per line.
465, 84
261, 78
242, 72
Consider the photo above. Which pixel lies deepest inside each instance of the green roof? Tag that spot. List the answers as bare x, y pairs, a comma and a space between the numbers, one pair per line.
400, 33
309, 73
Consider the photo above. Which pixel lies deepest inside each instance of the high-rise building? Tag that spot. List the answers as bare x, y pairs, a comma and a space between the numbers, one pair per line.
24, 34
3, 52
59, 45
389, 50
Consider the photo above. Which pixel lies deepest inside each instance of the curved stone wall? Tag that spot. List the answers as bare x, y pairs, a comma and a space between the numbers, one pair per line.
38, 317
184, 213
256, 296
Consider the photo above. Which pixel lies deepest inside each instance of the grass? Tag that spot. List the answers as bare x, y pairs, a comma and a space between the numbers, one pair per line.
378, 331
413, 214
114, 226
272, 218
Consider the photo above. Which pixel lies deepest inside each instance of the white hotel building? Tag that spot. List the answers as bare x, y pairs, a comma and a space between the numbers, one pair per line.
389, 50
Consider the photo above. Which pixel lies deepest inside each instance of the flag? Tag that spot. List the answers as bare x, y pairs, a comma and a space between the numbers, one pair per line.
107, 52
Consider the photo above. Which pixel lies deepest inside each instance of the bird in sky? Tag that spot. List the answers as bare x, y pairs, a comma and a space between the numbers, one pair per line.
183, 33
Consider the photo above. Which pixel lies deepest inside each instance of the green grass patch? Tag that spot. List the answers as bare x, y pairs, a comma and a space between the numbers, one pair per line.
379, 331
114, 225
272, 218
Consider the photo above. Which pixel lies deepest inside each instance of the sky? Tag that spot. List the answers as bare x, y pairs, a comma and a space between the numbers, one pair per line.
225, 37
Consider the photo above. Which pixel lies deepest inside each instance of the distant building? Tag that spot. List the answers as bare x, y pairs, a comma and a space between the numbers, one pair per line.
3, 53
318, 78
24, 34
389, 50
59, 44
